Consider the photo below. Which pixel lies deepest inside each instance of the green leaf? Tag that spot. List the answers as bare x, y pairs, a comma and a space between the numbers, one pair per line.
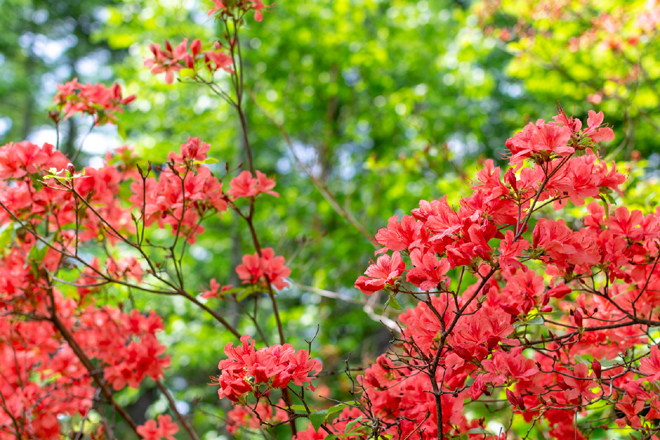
350, 425
7, 236
210, 160
336, 408
537, 320
581, 360
479, 431
610, 199
394, 303
299, 408
36, 256
609, 363
121, 130
38, 252
317, 418
244, 294
231, 291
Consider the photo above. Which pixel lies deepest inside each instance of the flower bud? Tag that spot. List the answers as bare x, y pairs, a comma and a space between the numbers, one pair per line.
510, 178
116, 91
595, 365
511, 398
190, 62
577, 316
510, 309
196, 47
546, 299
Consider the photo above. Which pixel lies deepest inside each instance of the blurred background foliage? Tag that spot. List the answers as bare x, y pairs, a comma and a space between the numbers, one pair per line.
387, 103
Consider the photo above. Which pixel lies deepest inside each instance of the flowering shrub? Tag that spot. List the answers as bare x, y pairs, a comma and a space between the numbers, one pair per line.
467, 339
539, 320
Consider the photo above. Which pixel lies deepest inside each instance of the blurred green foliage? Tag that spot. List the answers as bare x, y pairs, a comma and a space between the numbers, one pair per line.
43, 43
586, 54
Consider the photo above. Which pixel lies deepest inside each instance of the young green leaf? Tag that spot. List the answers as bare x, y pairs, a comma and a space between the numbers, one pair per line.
317, 418
394, 303
350, 425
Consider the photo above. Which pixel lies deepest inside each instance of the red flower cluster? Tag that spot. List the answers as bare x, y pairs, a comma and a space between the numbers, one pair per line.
398, 392
544, 141
24, 197
23, 158
247, 371
183, 194
43, 376
192, 151
169, 60
267, 269
214, 289
95, 100
541, 140
25, 353
129, 364
385, 271
163, 429
244, 185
